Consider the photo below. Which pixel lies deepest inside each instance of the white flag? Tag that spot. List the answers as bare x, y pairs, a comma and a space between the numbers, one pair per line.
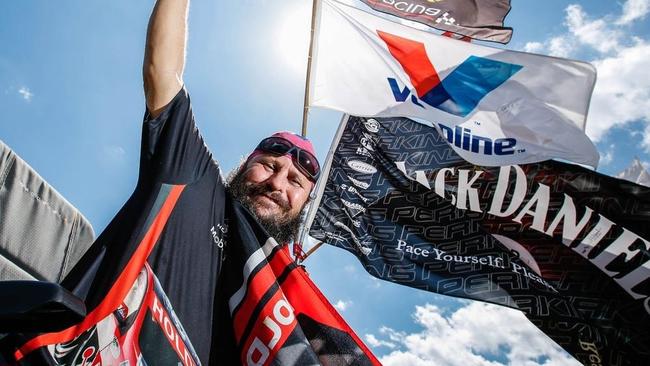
494, 106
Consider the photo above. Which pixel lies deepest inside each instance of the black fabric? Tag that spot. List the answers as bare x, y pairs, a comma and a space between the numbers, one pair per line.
186, 260
188, 255
572, 253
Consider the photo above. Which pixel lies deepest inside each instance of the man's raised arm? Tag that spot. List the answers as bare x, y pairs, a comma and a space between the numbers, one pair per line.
164, 55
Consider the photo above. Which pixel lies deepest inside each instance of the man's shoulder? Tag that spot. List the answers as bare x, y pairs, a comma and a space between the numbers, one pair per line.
179, 103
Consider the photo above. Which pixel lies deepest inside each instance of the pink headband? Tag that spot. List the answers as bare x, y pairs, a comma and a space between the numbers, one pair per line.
295, 139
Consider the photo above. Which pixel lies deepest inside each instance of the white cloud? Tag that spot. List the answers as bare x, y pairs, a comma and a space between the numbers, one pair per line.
607, 156
560, 46
374, 342
557, 46
25, 93
633, 10
349, 268
534, 47
471, 335
622, 91
392, 334
598, 33
114, 152
646, 138
342, 305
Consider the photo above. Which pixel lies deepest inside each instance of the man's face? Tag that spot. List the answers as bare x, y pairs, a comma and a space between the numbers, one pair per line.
286, 189
275, 190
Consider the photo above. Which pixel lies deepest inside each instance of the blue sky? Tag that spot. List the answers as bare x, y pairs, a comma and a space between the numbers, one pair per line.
72, 103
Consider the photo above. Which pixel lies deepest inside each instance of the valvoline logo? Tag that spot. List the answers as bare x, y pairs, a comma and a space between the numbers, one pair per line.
463, 138
460, 92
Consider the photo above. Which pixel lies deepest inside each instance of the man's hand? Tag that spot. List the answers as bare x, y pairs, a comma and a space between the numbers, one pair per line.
164, 56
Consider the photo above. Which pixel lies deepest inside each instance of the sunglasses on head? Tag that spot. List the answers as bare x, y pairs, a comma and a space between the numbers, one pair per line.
304, 160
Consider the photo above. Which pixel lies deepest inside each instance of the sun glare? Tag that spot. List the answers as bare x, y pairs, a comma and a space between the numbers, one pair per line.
292, 37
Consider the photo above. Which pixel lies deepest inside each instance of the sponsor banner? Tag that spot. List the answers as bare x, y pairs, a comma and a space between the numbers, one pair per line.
495, 107
477, 19
143, 328
134, 321
278, 314
564, 244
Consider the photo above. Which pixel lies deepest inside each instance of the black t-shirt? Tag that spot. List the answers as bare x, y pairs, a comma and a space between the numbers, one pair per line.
178, 211
187, 259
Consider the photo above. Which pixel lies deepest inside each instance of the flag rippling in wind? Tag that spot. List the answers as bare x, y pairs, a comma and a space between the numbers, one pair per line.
567, 246
477, 19
278, 315
494, 106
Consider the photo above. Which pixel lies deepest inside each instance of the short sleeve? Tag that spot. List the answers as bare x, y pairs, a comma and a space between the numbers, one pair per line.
172, 149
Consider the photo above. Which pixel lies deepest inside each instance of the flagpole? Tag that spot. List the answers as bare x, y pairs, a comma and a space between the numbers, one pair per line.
305, 111
320, 187
312, 250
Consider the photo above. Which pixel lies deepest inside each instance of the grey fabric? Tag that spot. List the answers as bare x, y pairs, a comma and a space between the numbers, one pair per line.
42, 235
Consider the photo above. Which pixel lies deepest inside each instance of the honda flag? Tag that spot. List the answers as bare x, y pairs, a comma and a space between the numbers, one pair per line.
495, 107
565, 245
478, 19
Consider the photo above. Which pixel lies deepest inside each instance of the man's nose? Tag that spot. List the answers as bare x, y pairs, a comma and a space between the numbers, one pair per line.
278, 180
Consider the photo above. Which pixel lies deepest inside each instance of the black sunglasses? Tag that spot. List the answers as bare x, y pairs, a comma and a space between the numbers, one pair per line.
304, 160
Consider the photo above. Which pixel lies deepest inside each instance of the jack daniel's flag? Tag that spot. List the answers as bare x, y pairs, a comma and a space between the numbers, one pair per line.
478, 19
566, 245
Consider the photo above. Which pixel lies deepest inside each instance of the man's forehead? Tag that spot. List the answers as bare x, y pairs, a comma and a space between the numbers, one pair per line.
282, 160
279, 159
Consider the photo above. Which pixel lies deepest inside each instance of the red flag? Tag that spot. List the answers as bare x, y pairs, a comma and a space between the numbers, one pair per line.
277, 306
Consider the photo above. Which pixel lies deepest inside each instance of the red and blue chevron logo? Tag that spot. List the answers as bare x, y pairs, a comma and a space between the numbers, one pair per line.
460, 92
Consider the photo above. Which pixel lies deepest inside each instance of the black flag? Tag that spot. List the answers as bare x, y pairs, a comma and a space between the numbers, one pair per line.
564, 244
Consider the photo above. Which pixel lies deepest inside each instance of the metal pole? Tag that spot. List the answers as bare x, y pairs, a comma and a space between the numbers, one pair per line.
320, 187
305, 111
312, 250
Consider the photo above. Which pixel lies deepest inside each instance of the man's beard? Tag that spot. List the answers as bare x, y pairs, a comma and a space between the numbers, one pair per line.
282, 227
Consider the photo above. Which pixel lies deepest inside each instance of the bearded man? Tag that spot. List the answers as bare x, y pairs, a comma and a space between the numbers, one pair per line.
273, 181
175, 256
186, 272
276, 180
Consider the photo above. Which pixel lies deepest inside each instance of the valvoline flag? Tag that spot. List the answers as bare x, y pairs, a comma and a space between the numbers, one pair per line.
477, 19
494, 106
